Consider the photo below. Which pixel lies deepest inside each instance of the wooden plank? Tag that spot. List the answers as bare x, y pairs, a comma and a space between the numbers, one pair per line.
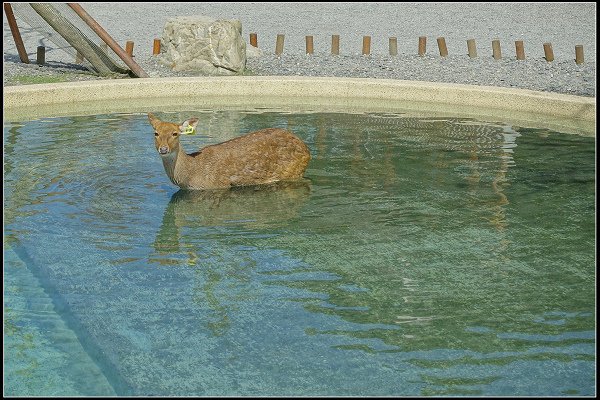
14, 29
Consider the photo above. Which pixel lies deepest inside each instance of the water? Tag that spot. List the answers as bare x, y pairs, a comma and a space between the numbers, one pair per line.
424, 256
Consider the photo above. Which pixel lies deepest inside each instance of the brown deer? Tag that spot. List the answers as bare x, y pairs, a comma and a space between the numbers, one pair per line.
261, 157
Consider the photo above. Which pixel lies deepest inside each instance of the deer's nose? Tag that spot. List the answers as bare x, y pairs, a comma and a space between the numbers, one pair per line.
163, 149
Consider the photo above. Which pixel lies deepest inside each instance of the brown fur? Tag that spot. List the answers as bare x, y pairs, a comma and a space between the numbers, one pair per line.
265, 156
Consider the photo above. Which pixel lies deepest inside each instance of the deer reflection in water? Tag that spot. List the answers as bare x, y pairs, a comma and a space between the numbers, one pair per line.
193, 216
250, 206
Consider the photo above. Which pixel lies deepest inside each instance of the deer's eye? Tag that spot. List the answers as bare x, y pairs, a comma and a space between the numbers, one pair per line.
155, 133
175, 133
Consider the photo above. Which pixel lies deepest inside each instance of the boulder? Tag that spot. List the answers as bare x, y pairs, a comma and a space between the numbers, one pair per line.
203, 44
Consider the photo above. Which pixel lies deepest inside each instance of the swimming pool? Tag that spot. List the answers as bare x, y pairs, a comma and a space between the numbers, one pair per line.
422, 256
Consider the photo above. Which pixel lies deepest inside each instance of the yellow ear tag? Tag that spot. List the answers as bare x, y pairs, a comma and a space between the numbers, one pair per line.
189, 130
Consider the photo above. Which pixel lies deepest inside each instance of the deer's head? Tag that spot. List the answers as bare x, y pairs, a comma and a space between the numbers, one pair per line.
166, 134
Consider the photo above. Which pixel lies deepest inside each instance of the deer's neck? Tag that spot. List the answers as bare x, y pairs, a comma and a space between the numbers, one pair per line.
175, 166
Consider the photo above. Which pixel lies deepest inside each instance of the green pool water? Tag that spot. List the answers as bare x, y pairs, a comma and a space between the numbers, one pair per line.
421, 256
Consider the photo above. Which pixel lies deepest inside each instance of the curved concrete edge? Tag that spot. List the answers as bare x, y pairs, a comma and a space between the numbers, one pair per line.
271, 91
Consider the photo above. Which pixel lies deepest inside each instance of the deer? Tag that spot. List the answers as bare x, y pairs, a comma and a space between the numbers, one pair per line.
258, 158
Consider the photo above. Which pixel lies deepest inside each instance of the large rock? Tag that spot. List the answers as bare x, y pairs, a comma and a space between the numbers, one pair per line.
203, 44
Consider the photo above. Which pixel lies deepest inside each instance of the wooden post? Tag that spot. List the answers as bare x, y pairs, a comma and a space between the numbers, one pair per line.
78, 57
442, 46
253, 40
548, 53
14, 29
335, 44
279, 44
422, 45
497, 53
309, 45
129, 48
520, 49
471, 48
579, 54
366, 47
393, 46
95, 26
41, 55
156, 47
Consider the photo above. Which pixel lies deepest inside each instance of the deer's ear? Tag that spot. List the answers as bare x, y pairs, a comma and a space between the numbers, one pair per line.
153, 120
188, 126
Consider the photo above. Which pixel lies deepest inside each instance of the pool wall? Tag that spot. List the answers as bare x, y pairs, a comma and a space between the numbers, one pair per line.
572, 114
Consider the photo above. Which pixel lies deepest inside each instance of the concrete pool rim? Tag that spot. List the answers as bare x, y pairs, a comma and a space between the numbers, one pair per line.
573, 114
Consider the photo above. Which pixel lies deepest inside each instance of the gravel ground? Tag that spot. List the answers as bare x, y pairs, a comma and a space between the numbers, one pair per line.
562, 24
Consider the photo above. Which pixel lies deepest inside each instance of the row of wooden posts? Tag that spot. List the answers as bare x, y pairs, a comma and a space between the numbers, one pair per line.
366, 48
441, 41
393, 47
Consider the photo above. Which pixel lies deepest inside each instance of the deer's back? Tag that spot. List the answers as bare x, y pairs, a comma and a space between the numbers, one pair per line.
263, 156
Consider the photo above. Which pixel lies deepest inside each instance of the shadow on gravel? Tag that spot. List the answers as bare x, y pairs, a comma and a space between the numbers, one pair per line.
67, 67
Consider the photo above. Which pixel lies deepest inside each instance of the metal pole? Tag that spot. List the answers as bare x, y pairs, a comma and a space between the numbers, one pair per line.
135, 68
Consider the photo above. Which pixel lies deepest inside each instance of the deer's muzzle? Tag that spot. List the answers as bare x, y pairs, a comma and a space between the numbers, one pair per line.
163, 149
